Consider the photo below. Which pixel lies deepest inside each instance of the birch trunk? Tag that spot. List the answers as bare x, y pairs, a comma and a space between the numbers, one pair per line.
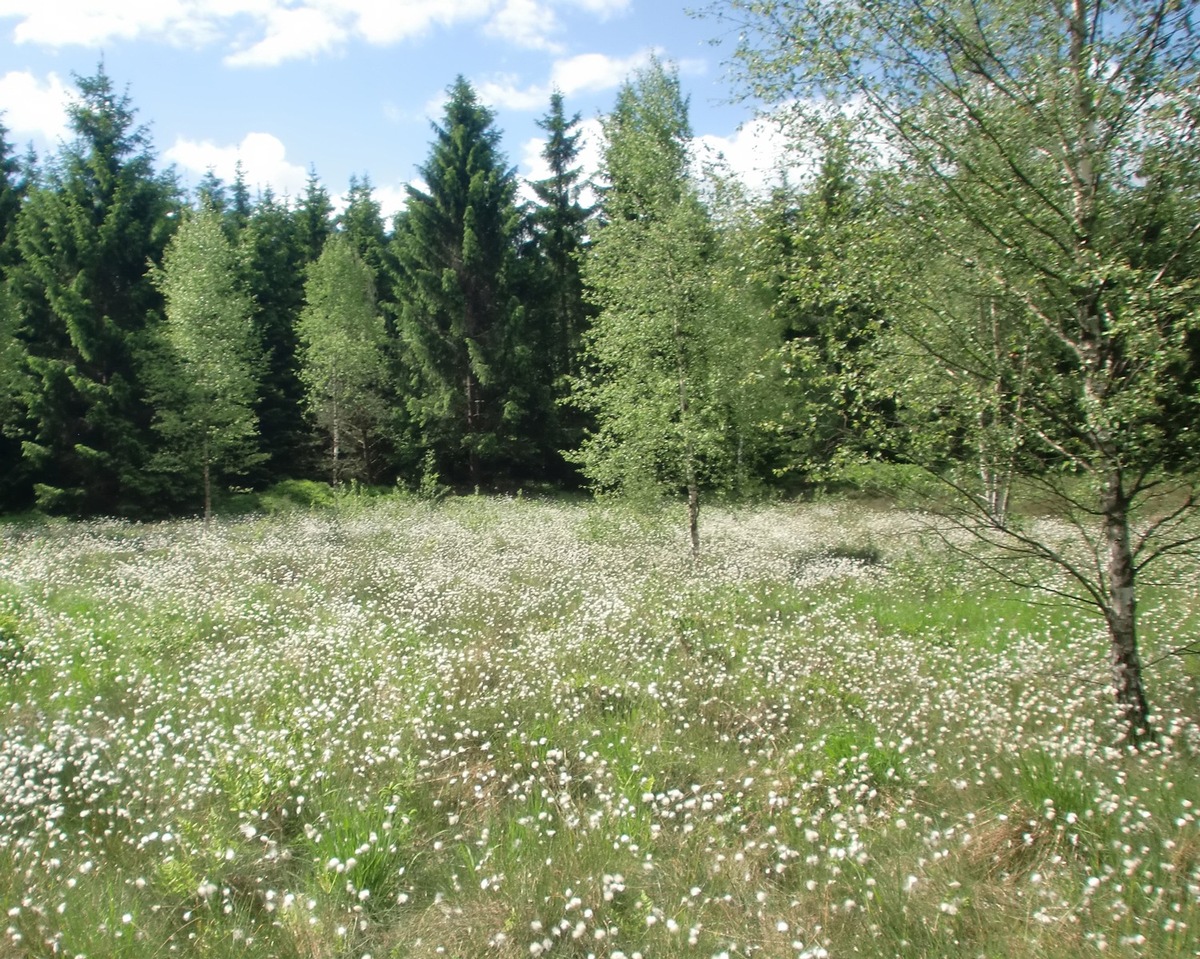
1121, 615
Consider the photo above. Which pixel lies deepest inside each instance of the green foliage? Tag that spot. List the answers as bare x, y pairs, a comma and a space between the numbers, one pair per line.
275, 280
210, 378
463, 332
13, 188
343, 360
559, 313
429, 485
660, 368
295, 494
85, 234
1040, 316
313, 218
12, 646
362, 224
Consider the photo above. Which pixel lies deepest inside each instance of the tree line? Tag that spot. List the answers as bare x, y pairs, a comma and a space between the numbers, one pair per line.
157, 345
989, 274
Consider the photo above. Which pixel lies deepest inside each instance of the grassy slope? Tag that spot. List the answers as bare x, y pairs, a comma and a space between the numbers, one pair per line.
501, 728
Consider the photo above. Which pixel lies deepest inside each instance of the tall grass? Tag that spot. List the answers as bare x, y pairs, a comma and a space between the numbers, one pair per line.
490, 727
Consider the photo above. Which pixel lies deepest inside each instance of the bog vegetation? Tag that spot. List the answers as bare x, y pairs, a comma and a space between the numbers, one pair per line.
482, 727
503, 727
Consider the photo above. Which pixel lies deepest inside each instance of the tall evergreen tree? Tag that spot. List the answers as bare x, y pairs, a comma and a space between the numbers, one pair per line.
85, 236
206, 403
559, 313
210, 194
274, 262
314, 218
343, 359
461, 326
806, 260
362, 223
12, 190
240, 205
13, 480
561, 223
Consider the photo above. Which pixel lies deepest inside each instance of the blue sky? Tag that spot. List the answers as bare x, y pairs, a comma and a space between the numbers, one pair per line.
350, 86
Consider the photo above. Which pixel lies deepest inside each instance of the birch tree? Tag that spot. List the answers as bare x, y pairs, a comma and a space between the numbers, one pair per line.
342, 358
652, 355
209, 385
1032, 140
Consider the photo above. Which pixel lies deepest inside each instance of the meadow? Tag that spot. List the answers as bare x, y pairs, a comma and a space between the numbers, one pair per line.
492, 727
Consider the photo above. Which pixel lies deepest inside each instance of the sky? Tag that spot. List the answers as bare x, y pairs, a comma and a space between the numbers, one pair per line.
350, 87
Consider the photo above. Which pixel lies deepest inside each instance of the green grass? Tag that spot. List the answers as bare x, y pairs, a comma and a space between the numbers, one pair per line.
503, 727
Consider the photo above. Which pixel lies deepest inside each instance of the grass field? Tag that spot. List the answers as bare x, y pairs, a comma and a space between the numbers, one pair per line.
510, 728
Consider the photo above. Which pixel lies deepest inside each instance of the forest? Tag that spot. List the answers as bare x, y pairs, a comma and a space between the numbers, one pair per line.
629, 566
982, 272
986, 281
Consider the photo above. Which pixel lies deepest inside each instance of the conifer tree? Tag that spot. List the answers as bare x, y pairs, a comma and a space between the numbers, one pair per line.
560, 222
362, 223
240, 205
559, 314
275, 269
211, 192
314, 218
13, 480
206, 407
85, 235
460, 324
14, 487
12, 189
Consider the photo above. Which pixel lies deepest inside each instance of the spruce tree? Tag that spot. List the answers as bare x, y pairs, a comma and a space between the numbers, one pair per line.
460, 323
12, 190
85, 304
362, 223
210, 193
559, 314
240, 205
560, 223
206, 405
274, 262
314, 218
13, 480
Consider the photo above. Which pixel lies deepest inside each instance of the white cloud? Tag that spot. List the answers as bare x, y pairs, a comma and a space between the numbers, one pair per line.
388, 21
526, 23
95, 22
602, 8
759, 155
588, 72
596, 71
391, 200
502, 91
268, 32
263, 158
291, 34
35, 107
282, 29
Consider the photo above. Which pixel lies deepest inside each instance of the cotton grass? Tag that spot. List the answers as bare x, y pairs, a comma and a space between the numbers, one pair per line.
509, 728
